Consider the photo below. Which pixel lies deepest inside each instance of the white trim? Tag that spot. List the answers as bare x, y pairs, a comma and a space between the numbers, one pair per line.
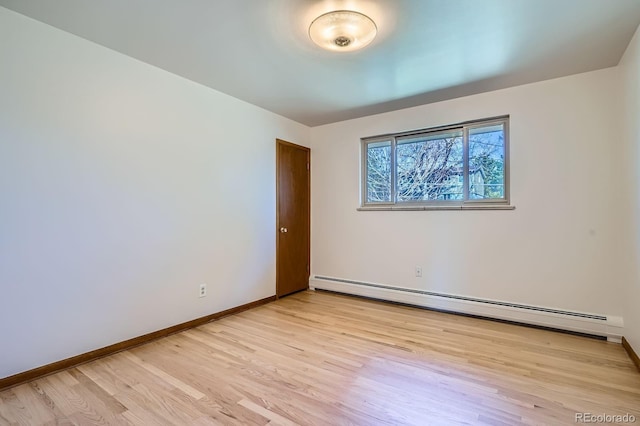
607, 326
393, 207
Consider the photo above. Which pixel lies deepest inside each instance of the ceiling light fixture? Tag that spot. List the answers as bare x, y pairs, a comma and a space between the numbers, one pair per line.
342, 30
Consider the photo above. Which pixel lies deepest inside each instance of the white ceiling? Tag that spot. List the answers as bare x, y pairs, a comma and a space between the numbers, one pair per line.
426, 50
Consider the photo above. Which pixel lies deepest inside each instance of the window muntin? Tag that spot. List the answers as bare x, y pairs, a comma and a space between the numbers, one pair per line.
454, 165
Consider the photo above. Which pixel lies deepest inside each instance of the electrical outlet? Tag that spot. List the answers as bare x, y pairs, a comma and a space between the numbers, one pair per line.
418, 271
203, 290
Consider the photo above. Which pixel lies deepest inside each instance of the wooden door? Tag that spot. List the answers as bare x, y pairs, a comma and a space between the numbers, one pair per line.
293, 230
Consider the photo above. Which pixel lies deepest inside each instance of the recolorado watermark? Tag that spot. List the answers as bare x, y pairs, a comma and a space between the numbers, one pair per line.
605, 418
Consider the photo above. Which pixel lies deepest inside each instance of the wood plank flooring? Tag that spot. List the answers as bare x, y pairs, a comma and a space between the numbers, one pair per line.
317, 358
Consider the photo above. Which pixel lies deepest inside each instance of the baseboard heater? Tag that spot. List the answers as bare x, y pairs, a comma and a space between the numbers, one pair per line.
609, 327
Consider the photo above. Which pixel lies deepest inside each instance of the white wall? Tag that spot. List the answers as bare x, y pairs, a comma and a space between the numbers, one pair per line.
630, 204
123, 187
557, 249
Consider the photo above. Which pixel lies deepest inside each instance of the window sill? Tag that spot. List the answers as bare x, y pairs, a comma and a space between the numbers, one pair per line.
458, 207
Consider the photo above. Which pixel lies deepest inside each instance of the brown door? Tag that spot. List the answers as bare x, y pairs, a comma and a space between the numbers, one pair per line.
292, 217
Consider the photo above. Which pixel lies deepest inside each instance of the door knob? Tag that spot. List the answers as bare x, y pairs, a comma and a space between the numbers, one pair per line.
283, 230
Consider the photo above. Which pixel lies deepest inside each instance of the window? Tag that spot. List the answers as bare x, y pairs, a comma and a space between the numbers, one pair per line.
463, 165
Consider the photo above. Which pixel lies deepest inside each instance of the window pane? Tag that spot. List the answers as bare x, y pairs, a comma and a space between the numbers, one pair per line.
486, 162
430, 167
379, 172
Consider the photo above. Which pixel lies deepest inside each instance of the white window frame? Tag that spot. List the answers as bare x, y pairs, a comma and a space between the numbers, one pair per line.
466, 203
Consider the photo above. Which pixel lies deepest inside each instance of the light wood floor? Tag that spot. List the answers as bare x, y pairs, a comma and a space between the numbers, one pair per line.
319, 358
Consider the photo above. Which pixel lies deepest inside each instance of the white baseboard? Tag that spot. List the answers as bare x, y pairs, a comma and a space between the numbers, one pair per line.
610, 327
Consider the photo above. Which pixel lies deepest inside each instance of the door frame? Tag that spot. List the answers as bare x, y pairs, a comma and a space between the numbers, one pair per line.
280, 142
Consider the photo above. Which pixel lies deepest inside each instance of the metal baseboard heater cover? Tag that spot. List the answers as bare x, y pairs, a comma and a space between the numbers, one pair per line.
598, 325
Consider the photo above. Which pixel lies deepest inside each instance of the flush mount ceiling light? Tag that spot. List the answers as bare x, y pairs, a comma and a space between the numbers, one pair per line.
342, 30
